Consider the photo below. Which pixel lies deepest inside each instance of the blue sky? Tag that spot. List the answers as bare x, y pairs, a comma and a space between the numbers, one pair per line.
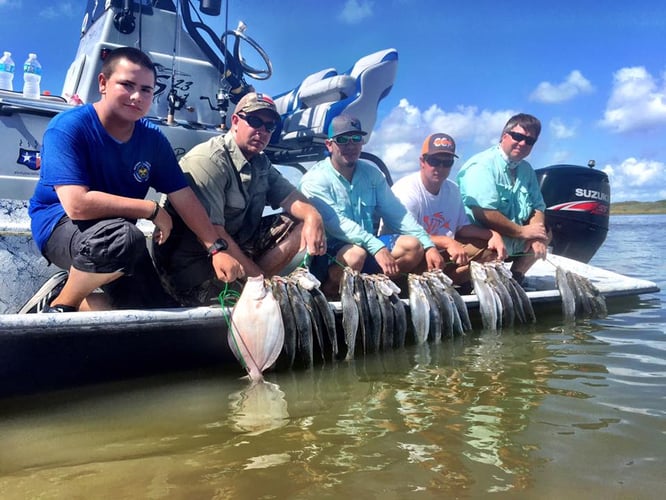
593, 72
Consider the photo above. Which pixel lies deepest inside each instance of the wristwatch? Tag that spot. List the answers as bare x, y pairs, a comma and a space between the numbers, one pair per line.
219, 245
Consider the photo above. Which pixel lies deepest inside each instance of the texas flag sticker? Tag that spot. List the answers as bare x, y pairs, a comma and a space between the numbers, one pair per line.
30, 158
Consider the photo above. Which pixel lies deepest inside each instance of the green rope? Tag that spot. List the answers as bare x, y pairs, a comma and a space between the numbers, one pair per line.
228, 299
306, 260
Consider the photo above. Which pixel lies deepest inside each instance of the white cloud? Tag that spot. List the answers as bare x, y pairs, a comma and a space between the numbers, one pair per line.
636, 179
10, 3
398, 138
637, 101
64, 9
573, 85
561, 157
560, 130
355, 11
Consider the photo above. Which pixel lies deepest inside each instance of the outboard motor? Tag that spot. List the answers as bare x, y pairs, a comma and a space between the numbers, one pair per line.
577, 208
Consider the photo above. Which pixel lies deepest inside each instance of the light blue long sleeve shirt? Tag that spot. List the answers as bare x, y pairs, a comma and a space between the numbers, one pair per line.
485, 181
348, 208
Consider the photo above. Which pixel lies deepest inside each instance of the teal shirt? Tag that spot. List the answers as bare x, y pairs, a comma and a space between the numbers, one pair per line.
485, 181
348, 208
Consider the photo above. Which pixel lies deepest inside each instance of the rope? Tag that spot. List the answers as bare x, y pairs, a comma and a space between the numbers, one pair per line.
332, 259
228, 299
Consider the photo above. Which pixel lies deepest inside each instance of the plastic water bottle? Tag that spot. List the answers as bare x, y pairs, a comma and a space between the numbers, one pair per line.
32, 75
6, 71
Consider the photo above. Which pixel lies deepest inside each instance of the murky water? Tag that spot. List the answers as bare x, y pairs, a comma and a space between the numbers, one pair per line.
542, 412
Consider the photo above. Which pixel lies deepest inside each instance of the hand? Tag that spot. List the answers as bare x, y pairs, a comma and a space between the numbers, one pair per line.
163, 224
434, 259
540, 249
457, 253
496, 243
387, 262
534, 231
227, 268
313, 236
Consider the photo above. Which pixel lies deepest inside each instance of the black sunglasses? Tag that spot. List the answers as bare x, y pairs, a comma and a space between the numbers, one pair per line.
518, 137
433, 161
344, 139
256, 123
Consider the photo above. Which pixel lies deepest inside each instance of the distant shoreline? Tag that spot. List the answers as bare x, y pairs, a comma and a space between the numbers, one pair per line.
638, 207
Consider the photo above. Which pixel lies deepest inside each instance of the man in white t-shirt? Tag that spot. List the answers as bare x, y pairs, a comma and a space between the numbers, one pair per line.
436, 204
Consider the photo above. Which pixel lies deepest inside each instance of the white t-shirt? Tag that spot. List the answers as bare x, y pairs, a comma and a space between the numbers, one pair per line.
441, 214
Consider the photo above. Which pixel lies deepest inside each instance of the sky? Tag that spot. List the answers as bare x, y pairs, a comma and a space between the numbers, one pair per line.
593, 72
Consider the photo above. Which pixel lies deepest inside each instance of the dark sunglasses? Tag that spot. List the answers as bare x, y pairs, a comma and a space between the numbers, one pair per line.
446, 162
256, 123
344, 139
518, 137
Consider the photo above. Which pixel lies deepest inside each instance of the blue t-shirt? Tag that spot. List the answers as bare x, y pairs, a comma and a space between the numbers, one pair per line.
77, 150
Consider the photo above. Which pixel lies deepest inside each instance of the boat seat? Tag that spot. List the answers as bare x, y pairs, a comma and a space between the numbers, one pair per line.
325, 94
330, 89
289, 102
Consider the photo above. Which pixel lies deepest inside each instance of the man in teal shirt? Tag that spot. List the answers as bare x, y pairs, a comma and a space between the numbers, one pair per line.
501, 192
349, 194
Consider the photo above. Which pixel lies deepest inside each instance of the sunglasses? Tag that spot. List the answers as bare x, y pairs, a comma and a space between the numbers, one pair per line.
256, 123
518, 137
446, 162
344, 139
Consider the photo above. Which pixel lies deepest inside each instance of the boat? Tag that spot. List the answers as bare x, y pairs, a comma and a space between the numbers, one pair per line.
197, 87
40, 352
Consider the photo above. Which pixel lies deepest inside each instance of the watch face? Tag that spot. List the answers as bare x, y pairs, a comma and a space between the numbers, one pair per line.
218, 246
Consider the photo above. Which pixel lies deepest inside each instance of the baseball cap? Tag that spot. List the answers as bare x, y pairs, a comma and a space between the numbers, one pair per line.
439, 143
344, 124
255, 101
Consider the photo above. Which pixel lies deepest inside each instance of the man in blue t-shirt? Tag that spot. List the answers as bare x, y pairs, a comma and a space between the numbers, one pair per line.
98, 162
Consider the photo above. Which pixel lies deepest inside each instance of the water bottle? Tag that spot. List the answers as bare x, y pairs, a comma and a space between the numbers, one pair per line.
6, 71
32, 75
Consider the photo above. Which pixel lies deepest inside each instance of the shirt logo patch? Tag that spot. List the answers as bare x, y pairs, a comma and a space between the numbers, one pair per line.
142, 171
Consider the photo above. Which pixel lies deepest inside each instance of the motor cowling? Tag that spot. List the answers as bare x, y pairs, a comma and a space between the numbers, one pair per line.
577, 209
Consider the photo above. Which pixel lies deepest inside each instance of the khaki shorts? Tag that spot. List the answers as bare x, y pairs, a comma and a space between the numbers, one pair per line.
476, 250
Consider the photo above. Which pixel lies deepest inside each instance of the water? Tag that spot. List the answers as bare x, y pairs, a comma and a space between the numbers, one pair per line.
548, 412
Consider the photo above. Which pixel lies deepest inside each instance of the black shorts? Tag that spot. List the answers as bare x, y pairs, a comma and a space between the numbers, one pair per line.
109, 246
186, 270
272, 230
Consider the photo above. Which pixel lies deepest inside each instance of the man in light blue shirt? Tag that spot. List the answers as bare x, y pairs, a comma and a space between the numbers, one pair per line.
501, 192
350, 194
